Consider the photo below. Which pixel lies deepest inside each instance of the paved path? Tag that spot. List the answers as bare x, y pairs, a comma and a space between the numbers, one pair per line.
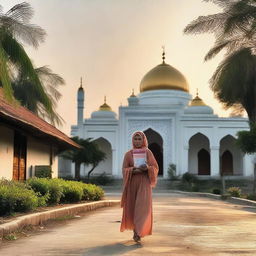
182, 226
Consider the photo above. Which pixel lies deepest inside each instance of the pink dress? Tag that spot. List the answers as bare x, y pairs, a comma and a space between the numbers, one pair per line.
137, 195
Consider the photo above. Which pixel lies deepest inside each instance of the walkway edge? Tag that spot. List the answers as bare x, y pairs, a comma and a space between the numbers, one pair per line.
214, 196
39, 218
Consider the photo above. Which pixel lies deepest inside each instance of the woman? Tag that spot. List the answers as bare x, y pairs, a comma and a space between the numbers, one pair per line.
138, 182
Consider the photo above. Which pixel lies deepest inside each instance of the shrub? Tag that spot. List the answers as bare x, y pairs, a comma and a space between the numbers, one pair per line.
251, 197
216, 191
189, 178
234, 191
40, 185
48, 189
172, 172
72, 191
225, 196
102, 179
55, 191
16, 198
194, 187
92, 192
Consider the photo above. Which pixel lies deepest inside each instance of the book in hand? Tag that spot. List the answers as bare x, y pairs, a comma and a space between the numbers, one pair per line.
139, 161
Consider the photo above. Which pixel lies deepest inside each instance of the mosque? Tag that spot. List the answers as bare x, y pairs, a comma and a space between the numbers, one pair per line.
180, 130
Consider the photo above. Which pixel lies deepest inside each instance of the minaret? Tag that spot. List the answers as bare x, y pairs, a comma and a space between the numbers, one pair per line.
80, 104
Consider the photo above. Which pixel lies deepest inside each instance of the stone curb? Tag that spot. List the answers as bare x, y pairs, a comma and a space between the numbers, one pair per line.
231, 199
41, 217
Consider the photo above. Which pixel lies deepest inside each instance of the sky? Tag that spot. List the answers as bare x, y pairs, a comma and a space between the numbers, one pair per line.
112, 44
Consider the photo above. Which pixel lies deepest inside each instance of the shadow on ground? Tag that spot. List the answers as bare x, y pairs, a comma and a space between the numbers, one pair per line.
111, 249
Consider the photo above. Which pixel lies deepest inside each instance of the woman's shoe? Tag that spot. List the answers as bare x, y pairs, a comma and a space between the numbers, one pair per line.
136, 237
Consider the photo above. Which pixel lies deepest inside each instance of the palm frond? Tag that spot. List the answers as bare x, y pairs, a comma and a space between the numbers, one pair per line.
53, 118
4, 75
18, 56
241, 17
219, 45
209, 23
230, 44
234, 81
16, 22
225, 4
51, 81
22, 12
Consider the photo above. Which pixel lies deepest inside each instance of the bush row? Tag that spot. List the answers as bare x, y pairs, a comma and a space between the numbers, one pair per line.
35, 192
190, 182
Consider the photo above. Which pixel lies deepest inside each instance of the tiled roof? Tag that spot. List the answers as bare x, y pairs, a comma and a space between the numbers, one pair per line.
13, 111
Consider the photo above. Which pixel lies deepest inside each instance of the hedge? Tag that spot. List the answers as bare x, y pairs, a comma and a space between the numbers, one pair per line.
16, 197
26, 196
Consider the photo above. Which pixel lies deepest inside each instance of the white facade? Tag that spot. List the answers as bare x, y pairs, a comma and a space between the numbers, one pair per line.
190, 136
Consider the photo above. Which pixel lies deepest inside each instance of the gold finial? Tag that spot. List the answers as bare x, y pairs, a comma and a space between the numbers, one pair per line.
196, 92
81, 82
105, 99
133, 95
163, 54
81, 85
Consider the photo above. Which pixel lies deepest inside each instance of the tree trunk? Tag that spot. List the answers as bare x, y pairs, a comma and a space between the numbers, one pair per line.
223, 184
254, 179
77, 171
89, 173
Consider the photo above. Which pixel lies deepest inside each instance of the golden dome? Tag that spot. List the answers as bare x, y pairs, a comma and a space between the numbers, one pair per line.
105, 106
164, 76
197, 101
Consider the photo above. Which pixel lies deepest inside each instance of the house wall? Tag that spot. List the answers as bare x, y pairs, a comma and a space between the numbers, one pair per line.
38, 153
6, 152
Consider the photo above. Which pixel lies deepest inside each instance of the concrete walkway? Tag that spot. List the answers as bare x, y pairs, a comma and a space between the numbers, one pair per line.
182, 226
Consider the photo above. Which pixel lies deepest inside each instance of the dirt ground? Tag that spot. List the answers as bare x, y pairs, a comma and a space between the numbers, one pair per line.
183, 225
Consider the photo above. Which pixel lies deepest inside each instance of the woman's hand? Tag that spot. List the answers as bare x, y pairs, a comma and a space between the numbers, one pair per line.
143, 168
136, 170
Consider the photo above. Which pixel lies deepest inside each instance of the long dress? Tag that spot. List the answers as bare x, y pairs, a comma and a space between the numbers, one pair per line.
137, 195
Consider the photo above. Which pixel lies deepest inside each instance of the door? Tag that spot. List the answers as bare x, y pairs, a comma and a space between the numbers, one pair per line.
19, 157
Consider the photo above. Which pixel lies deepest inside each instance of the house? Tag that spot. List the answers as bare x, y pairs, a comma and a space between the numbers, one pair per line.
27, 142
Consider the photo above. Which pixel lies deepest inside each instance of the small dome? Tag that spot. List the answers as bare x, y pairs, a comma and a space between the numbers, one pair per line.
133, 100
105, 107
164, 76
104, 111
197, 102
103, 114
197, 106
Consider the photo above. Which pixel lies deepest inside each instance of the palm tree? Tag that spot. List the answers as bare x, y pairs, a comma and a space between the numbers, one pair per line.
15, 64
234, 81
88, 154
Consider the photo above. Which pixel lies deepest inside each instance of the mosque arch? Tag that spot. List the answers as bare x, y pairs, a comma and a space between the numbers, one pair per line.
199, 160
231, 157
155, 144
226, 163
106, 165
203, 158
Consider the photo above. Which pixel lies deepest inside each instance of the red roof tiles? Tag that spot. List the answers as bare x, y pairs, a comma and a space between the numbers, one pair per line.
15, 112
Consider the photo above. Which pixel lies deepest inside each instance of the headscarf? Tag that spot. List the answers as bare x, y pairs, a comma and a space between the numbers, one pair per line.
144, 139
